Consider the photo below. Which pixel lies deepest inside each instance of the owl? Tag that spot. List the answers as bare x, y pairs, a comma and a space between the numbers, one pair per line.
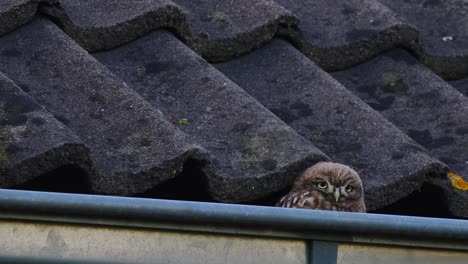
326, 186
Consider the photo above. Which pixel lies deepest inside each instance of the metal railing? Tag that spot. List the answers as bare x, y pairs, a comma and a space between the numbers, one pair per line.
325, 229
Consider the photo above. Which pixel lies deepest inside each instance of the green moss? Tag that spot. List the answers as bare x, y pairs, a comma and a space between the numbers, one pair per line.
4, 141
389, 77
180, 122
220, 17
392, 83
3, 154
315, 137
400, 88
252, 155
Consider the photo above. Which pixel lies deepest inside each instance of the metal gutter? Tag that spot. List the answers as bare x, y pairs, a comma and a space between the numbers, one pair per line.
233, 219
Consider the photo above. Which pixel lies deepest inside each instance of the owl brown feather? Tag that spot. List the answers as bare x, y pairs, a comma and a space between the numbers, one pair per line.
326, 186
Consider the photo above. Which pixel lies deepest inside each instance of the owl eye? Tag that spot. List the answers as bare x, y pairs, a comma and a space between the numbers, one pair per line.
322, 185
349, 188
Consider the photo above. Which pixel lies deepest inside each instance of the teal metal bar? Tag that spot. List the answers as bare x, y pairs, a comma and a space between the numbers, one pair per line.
323, 252
232, 218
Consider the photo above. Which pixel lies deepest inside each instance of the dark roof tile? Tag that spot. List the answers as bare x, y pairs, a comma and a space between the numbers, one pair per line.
416, 100
339, 34
106, 24
216, 29
461, 86
390, 164
32, 141
253, 153
14, 13
443, 30
133, 146
222, 29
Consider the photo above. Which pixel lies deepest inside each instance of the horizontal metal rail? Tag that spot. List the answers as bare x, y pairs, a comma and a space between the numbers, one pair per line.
233, 219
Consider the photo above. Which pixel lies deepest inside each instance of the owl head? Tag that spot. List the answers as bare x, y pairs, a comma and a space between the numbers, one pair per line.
337, 184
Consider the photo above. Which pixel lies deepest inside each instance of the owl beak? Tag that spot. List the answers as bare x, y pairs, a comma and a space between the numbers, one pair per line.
336, 194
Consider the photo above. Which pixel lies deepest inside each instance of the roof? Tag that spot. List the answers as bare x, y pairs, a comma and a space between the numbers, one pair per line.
240, 96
